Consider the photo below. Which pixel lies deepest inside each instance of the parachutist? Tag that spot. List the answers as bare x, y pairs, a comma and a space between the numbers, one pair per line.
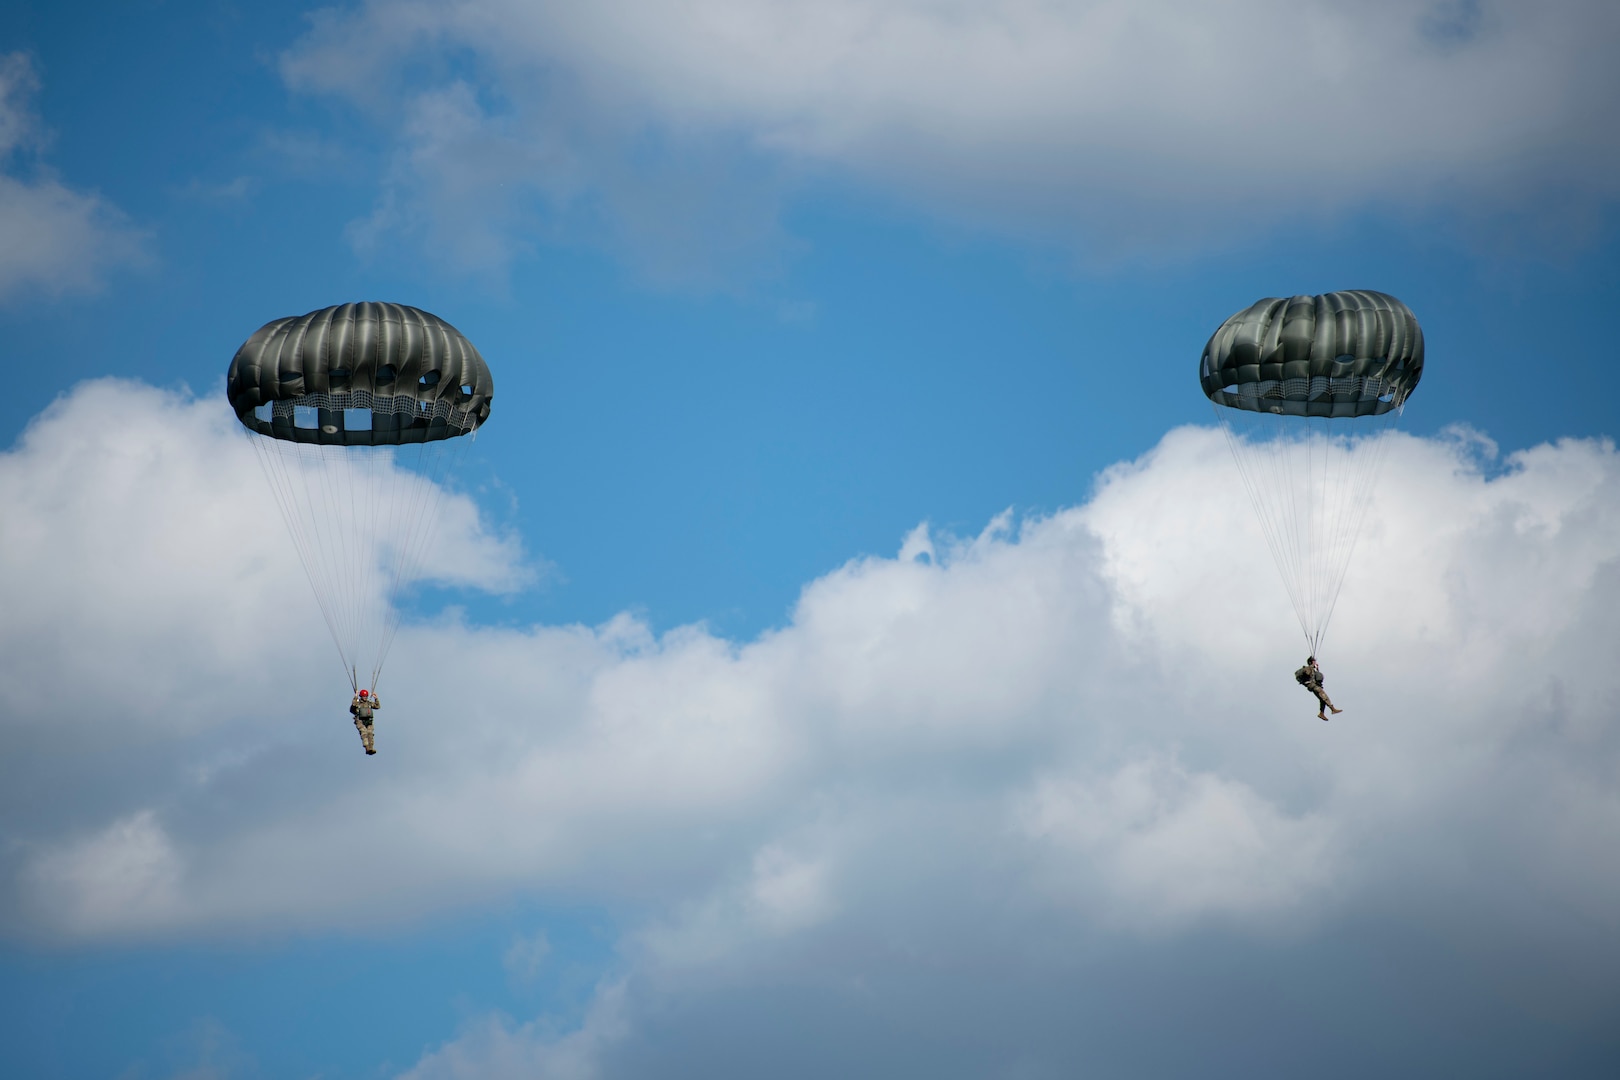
1310, 677
363, 705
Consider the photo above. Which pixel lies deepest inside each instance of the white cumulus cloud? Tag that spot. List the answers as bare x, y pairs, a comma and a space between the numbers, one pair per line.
1000, 756
495, 1049
1120, 125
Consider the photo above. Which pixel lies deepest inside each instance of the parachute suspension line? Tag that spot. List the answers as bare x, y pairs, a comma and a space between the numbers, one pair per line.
1261, 472
1327, 520
347, 509
312, 472
1286, 517
328, 511
1324, 461
379, 463
1311, 484
274, 462
1285, 467
1317, 465
316, 511
417, 521
1367, 461
396, 510
402, 526
336, 562
360, 473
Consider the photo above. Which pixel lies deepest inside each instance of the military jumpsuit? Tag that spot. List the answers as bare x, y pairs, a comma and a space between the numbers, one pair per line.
362, 708
1312, 681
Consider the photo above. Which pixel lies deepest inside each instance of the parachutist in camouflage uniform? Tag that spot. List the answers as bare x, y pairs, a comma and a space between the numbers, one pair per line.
1310, 677
363, 705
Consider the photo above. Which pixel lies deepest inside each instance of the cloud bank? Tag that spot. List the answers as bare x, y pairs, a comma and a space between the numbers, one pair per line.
1114, 125
960, 784
56, 239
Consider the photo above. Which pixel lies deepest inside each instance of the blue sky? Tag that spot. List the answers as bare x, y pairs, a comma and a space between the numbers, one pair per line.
898, 666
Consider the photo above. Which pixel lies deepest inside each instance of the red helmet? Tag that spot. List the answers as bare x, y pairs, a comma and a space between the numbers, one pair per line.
365, 693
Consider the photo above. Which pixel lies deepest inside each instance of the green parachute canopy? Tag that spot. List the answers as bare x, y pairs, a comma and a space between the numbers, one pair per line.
411, 376
1341, 354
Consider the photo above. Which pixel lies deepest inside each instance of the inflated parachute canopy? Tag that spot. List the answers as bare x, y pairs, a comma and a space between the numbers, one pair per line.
1351, 353
360, 375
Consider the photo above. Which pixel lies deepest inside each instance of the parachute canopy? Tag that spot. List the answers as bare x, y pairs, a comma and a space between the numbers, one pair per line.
354, 412
1306, 390
404, 374
1341, 354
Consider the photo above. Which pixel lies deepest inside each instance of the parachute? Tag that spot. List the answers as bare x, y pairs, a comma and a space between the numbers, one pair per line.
357, 413
1307, 390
